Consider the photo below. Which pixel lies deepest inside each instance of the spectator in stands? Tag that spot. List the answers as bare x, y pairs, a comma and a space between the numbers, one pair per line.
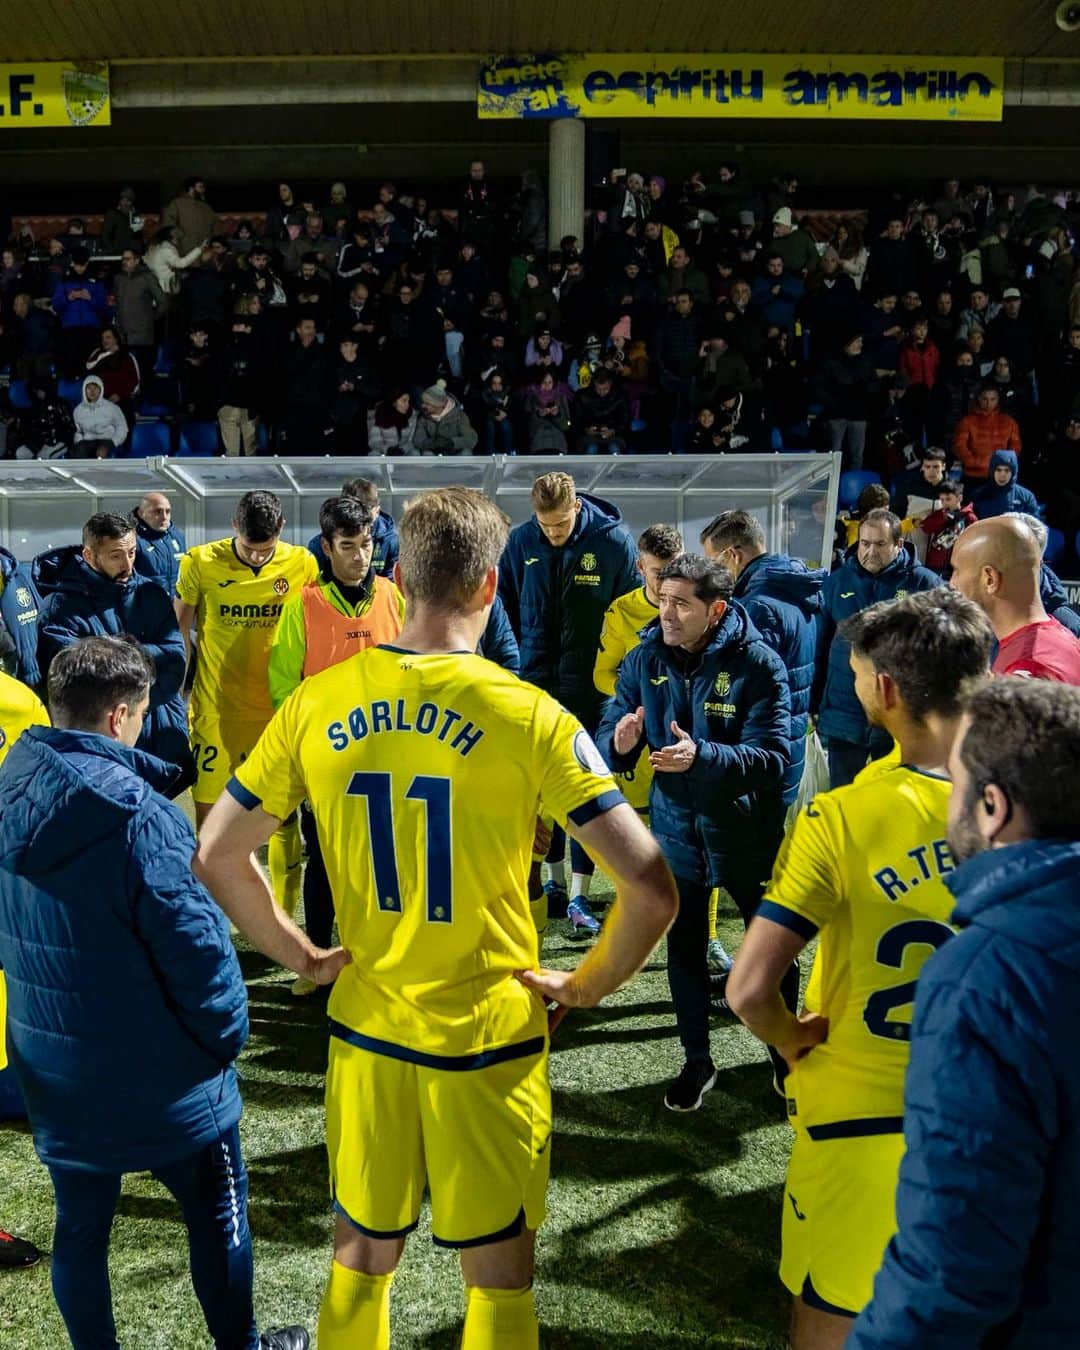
544, 351
844, 386
389, 238
161, 541
413, 346
920, 361
451, 312
478, 209
681, 275
442, 427
877, 568
200, 376
191, 217
310, 293
166, 261
888, 262
831, 307
944, 525
93, 590
241, 388
532, 206
354, 389
286, 210
33, 329
678, 349
777, 293
853, 253
982, 431
1063, 476
338, 213
547, 409
357, 261
139, 302
304, 393
114, 362
81, 304
1012, 334
793, 244
392, 425
312, 239
100, 426
922, 483
122, 227
979, 313
1003, 493
498, 421
1059, 386
952, 397
601, 416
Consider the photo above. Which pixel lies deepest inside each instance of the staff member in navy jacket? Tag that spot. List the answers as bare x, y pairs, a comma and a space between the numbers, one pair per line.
20, 604
711, 701
988, 1203
95, 590
126, 1004
559, 573
161, 542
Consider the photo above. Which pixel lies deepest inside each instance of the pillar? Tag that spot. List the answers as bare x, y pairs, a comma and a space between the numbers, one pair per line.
566, 179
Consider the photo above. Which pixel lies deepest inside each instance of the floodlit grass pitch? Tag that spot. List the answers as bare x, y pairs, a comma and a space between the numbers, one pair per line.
662, 1230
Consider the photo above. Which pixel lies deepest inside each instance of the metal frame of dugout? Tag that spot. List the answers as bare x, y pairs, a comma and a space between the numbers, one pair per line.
43, 504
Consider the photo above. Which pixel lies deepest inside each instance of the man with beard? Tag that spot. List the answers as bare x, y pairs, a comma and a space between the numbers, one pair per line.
987, 1202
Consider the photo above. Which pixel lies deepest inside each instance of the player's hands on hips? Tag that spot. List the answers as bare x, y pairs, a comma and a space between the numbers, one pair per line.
327, 964
629, 731
675, 758
808, 1030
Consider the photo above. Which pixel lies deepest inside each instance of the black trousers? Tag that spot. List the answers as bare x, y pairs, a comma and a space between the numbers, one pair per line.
318, 898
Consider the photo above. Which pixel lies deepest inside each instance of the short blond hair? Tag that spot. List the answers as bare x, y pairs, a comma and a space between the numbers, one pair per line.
449, 539
554, 491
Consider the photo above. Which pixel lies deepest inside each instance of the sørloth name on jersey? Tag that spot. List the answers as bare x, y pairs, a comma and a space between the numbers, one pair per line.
402, 715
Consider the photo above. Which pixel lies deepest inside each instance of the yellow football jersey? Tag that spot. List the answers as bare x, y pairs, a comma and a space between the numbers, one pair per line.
426, 774
20, 708
623, 622
237, 611
864, 864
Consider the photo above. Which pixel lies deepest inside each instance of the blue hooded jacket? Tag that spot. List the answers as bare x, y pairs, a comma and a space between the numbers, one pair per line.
158, 554
80, 602
20, 606
988, 1202
847, 591
126, 1006
90, 313
782, 596
1056, 600
556, 599
991, 500
721, 821
384, 537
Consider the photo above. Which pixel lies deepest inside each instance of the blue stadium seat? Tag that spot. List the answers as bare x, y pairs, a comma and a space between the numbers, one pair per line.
19, 393
1055, 546
199, 438
149, 438
262, 438
159, 396
70, 391
852, 483
776, 441
165, 359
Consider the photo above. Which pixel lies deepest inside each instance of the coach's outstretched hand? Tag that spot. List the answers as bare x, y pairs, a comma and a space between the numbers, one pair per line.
629, 731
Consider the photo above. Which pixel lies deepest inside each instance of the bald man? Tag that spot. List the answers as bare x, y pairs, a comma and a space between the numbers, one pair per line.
160, 542
996, 564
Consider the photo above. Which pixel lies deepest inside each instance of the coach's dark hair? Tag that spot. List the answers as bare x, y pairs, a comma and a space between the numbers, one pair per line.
96, 674
934, 645
661, 541
881, 515
734, 529
364, 490
104, 526
259, 516
1025, 738
711, 580
345, 516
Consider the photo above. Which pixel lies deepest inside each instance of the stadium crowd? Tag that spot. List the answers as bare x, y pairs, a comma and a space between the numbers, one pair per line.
461, 720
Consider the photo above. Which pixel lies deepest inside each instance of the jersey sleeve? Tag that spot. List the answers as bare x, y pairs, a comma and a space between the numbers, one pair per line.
805, 886
609, 653
271, 776
288, 651
575, 783
188, 583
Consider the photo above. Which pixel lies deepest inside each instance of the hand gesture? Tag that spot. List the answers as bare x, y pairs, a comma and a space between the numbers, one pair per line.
675, 758
629, 731
327, 964
808, 1030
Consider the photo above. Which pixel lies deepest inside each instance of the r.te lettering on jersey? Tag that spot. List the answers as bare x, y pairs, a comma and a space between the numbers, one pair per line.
926, 862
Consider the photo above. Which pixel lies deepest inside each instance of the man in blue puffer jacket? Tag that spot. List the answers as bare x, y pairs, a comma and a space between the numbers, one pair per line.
19, 611
384, 535
558, 574
783, 599
878, 567
711, 701
95, 591
126, 1004
161, 542
988, 1203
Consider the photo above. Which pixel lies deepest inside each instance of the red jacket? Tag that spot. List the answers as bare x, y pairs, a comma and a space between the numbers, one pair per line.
920, 363
978, 435
944, 528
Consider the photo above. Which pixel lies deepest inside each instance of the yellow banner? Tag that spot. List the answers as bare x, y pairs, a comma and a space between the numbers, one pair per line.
59, 94
884, 88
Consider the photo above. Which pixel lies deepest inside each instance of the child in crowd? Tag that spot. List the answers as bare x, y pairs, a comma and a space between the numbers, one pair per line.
100, 427
944, 525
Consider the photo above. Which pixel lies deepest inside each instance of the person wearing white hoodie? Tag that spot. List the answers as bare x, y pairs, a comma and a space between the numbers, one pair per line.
99, 424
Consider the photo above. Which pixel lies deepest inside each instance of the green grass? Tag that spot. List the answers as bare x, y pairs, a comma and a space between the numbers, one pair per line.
662, 1230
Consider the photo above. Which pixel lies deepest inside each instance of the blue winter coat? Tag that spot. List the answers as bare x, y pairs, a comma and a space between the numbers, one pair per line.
556, 599
498, 643
988, 1202
20, 606
991, 500
1056, 600
847, 591
90, 313
80, 602
158, 555
384, 555
783, 599
126, 1006
720, 821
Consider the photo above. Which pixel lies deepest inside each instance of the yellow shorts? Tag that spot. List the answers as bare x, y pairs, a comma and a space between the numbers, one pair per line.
479, 1138
839, 1214
219, 747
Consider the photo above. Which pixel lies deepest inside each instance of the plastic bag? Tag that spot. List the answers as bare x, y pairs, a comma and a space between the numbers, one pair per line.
815, 775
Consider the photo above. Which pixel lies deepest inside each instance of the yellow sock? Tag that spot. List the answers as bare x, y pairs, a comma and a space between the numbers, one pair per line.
284, 854
714, 901
539, 910
498, 1319
355, 1311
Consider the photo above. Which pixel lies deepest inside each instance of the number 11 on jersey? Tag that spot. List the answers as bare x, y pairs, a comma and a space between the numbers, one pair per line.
435, 794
